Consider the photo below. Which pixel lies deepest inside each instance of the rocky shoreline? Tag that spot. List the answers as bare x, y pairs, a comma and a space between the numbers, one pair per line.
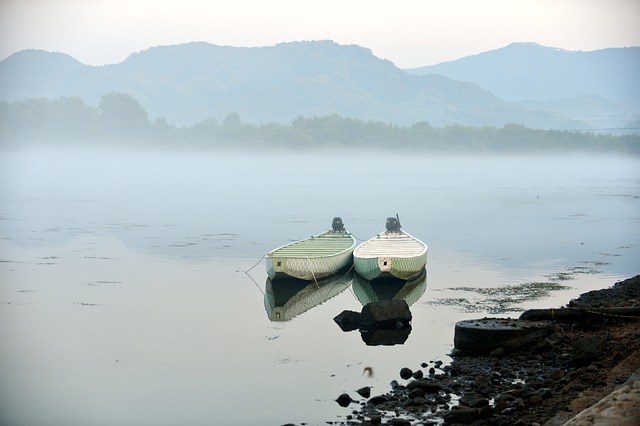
546, 382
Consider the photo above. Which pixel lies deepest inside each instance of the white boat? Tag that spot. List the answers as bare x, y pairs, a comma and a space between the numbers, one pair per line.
313, 258
392, 252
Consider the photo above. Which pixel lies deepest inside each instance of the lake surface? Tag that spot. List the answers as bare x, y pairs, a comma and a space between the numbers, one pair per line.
124, 298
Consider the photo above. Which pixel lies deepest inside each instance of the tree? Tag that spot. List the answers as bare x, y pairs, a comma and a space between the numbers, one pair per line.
232, 121
122, 114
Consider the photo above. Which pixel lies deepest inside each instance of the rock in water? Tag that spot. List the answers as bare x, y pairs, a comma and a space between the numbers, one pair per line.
385, 314
348, 320
344, 400
364, 392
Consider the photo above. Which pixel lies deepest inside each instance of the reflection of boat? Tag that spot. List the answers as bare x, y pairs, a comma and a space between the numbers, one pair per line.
390, 288
287, 297
315, 257
392, 252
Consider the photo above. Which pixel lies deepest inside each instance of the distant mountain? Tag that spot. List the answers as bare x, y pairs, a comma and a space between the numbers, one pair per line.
191, 82
529, 71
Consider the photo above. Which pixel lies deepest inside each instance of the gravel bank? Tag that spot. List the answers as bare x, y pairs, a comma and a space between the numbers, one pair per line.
548, 382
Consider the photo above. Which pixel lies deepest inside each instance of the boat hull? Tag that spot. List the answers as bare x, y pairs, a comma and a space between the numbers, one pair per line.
309, 269
396, 254
318, 257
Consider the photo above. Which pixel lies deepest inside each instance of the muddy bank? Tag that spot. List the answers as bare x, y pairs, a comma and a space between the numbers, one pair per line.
547, 381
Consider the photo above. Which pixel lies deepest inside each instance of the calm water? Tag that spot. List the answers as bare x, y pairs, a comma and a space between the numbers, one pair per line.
124, 301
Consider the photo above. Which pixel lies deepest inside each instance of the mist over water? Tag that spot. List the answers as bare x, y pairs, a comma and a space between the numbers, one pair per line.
124, 296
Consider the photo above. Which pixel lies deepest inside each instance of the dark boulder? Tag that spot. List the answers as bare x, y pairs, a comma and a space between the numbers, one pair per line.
385, 314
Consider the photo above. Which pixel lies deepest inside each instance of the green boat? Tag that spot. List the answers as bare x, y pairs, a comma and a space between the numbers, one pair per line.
392, 252
313, 258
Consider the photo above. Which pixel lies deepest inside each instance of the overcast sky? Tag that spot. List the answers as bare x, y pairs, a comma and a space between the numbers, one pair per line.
410, 33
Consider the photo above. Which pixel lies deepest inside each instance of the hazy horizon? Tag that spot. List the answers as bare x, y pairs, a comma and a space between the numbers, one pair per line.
409, 34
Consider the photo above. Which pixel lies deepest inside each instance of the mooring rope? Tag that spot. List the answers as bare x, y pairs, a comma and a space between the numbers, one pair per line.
250, 277
254, 281
263, 256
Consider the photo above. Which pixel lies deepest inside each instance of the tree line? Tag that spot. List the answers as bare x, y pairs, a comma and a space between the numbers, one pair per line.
121, 120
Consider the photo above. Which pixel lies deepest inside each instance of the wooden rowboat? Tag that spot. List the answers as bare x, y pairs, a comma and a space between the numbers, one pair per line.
392, 252
315, 257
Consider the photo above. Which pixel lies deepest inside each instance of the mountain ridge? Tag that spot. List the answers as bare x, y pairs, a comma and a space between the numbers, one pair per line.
190, 82
530, 71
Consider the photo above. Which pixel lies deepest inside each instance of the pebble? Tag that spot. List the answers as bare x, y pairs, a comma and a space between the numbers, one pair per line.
406, 373
344, 400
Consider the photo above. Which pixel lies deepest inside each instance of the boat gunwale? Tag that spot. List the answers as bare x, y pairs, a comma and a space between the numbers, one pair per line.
372, 239
273, 253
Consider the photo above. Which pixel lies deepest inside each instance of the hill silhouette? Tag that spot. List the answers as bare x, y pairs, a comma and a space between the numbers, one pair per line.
529, 71
191, 82
581, 84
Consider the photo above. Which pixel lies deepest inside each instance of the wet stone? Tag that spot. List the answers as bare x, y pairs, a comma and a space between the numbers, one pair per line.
344, 400
534, 400
479, 403
426, 385
588, 349
399, 422
416, 393
364, 392
544, 392
418, 401
463, 416
377, 400
406, 373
